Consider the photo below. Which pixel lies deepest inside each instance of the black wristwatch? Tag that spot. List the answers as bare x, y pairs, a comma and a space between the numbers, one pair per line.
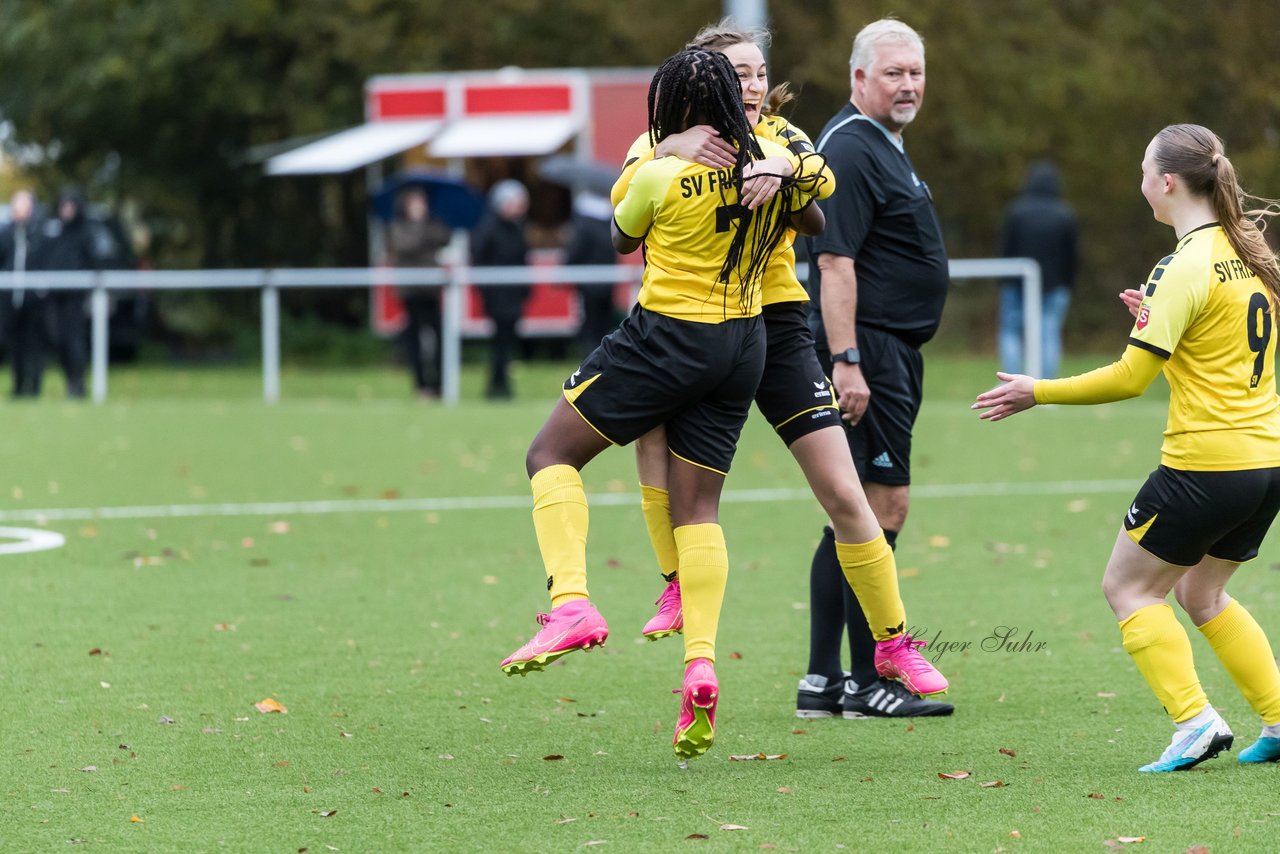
850, 356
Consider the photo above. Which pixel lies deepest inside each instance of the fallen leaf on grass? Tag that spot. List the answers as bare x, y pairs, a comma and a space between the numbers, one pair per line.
1008, 751
734, 827
445, 756
783, 790
939, 541
1015, 834
1106, 695
596, 842
490, 579
566, 820
1096, 796
839, 759
1128, 840
954, 775
96, 651
735, 656
135, 819
270, 706
89, 768
224, 627
553, 757
280, 527
993, 784
105, 684
697, 836
747, 757
328, 813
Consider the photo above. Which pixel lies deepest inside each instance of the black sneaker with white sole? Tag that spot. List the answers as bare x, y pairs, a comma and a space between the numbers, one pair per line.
885, 698
819, 697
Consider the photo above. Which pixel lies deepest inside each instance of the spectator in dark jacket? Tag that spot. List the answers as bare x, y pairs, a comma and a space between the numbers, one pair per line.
590, 243
25, 311
68, 245
415, 239
1038, 224
499, 241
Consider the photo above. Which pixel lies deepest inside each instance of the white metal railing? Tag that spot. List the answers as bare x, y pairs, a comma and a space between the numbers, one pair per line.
451, 280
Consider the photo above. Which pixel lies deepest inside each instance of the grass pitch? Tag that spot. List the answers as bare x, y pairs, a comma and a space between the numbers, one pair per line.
367, 561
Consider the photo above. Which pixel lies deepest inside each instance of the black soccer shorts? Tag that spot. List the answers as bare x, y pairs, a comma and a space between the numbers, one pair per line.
795, 395
696, 378
1181, 516
881, 440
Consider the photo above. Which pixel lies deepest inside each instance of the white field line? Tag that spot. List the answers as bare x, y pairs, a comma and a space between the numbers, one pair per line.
523, 502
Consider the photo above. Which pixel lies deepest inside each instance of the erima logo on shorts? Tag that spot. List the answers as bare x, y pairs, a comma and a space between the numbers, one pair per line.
1132, 515
574, 379
883, 461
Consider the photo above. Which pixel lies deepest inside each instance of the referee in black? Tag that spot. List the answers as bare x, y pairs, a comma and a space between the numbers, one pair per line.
877, 289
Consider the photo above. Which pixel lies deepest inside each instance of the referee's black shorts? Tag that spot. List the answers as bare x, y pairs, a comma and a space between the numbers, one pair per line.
696, 378
1181, 516
881, 440
794, 394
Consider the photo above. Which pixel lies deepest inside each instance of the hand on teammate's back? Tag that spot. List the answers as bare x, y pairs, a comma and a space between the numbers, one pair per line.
761, 180
699, 144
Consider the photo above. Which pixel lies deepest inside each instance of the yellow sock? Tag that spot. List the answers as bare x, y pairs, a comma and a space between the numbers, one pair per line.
873, 575
704, 572
1160, 647
560, 521
655, 504
1244, 651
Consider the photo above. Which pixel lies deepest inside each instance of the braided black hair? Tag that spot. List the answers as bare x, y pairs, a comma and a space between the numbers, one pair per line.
701, 87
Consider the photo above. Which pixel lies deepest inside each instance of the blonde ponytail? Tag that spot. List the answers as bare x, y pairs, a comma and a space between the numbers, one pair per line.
1196, 155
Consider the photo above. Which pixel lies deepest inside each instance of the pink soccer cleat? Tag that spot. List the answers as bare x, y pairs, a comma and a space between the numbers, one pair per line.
696, 726
574, 625
670, 617
899, 658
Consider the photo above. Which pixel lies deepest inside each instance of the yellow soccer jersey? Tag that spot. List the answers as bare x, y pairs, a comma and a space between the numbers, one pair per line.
685, 213
1210, 317
779, 283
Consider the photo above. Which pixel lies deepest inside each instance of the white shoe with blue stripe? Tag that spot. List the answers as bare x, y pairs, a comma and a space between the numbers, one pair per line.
1191, 746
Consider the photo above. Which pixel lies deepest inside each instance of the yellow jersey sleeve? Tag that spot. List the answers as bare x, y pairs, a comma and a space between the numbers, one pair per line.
808, 167
635, 214
640, 153
1174, 295
1121, 380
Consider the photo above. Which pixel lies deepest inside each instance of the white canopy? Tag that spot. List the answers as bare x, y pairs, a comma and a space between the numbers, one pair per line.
353, 148
505, 136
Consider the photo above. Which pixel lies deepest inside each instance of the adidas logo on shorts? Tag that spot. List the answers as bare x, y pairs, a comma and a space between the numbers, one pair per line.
883, 461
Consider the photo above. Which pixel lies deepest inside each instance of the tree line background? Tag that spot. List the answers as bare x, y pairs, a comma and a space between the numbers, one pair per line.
164, 106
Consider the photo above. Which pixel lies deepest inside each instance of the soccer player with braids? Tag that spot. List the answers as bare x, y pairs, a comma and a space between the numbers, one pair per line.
1206, 318
794, 396
688, 356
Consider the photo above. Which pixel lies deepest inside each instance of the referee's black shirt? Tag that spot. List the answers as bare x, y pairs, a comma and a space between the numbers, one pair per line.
881, 215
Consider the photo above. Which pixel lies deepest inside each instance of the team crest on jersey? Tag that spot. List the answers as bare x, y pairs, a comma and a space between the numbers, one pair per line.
1144, 316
